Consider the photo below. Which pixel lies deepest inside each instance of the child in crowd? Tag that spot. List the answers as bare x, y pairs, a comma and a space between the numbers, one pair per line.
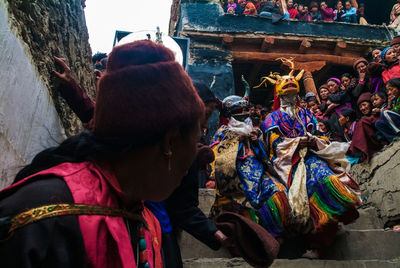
312, 105
314, 13
292, 11
379, 101
327, 14
303, 103
350, 15
233, 8
339, 11
324, 128
347, 119
391, 62
389, 126
303, 13
365, 140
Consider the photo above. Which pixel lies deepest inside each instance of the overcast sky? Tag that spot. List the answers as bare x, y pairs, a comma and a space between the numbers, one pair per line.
104, 17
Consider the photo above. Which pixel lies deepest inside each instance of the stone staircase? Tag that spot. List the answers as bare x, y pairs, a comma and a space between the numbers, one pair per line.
362, 244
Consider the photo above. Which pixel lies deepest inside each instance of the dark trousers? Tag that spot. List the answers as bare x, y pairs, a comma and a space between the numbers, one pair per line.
171, 251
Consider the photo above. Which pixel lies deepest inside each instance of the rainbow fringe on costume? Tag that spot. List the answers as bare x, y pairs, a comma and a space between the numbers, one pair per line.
330, 200
274, 214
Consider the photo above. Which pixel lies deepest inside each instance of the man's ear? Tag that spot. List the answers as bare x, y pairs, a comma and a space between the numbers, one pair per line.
170, 139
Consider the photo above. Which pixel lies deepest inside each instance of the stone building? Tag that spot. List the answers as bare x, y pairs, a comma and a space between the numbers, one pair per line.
228, 46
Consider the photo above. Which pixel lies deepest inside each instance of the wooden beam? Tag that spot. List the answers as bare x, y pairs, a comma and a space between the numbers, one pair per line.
267, 43
310, 66
227, 40
271, 57
340, 47
304, 46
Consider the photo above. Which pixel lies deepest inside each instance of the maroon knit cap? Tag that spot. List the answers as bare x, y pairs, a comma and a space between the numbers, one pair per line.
364, 97
358, 61
395, 40
143, 93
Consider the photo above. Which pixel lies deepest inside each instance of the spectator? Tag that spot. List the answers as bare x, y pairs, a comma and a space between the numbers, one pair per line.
252, 111
242, 4
350, 15
347, 119
333, 85
233, 8
389, 126
339, 11
303, 15
361, 18
345, 81
376, 54
379, 101
257, 3
324, 93
314, 13
394, 16
365, 142
303, 103
270, 10
250, 9
395, 44
327, 14
312, 105
292, 11
324, 129
391, 62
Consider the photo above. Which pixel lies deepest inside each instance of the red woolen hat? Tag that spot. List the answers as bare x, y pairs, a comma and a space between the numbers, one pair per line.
143, 93
358, 61
395, 40
364, 97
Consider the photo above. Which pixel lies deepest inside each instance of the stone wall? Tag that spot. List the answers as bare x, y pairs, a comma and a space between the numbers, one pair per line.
380, 185
32, 115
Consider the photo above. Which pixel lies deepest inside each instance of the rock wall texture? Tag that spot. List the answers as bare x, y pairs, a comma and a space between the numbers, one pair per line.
380, 184
32, 115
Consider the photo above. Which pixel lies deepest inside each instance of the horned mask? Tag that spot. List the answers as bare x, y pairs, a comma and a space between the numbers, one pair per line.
284, 85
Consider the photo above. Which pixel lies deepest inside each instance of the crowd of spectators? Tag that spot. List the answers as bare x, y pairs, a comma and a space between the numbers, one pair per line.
343, 11
361, 108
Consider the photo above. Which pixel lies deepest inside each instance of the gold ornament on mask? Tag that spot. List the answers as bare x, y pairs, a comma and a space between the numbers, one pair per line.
286, 84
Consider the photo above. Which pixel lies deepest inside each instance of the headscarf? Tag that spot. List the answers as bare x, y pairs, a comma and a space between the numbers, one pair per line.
333, 79
383, 53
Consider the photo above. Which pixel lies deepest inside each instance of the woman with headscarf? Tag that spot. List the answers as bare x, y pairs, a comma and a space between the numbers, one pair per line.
143, 142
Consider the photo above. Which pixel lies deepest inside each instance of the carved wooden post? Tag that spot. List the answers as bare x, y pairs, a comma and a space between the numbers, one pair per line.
309, 84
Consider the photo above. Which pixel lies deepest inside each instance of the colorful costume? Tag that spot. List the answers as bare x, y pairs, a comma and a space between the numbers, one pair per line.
282, 183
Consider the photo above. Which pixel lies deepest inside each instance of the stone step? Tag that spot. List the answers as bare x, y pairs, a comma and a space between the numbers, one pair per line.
351, 245
284, 263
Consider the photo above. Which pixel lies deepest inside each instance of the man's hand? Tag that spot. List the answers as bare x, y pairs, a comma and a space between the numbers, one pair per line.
223, 239
376, 111
361, 75
65, 76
